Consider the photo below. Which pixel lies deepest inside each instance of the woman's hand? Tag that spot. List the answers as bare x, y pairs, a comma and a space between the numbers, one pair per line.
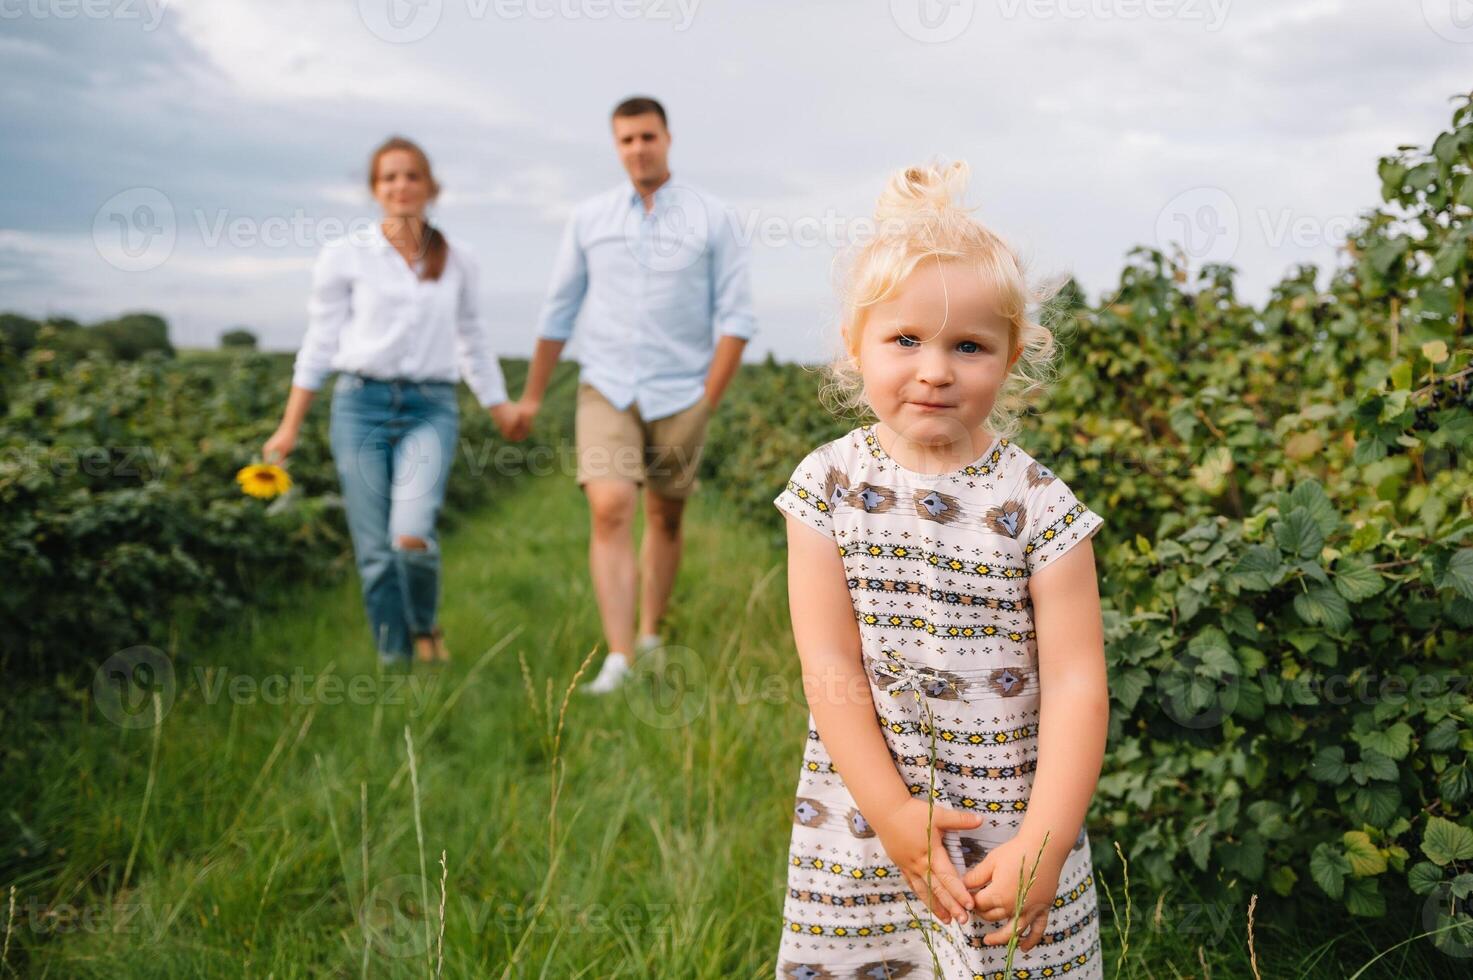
511, 421
903, 834
279, 446
999, 876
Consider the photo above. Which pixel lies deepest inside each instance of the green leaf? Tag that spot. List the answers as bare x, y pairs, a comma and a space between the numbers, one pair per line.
1211, 646
1199, 848
1128, 686
1259, 569
1299, 535
1459, 574
1310, 496
1329, 869
1393, 742
1455, 783
1450, 257
1363, 897
1365, 859
1384, 254
1322, 606
1329, 766
1377, 803
1441, 737
1356, 580
1281, 879
1423, 877
1374, 765
1445, 842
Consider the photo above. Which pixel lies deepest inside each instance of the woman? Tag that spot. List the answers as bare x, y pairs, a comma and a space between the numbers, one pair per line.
395, 313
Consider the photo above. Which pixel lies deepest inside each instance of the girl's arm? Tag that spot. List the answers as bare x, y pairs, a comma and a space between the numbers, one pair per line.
838, 694
1074, 716
1075, 698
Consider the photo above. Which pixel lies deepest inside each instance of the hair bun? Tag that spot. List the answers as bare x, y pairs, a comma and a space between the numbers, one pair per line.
932, 190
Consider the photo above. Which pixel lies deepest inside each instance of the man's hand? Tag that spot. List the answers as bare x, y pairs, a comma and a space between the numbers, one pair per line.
511, 420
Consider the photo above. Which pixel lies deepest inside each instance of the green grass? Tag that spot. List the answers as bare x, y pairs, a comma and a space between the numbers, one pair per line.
639, 835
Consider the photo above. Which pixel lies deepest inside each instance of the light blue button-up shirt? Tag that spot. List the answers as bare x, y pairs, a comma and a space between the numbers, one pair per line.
658, 288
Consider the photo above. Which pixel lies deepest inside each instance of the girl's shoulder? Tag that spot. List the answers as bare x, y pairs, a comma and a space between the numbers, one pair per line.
843, 451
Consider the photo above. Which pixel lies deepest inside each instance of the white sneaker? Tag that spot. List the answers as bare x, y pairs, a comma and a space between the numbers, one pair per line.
615, 668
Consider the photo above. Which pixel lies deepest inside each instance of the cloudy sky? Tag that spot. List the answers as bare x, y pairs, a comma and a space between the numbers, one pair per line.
190, 156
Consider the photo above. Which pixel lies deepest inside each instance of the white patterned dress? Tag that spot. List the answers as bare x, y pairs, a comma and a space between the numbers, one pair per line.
938, 569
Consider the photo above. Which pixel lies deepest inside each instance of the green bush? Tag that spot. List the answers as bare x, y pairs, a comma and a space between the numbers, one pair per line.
119, 511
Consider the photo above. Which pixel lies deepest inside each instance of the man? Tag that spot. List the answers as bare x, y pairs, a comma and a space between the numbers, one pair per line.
656, 266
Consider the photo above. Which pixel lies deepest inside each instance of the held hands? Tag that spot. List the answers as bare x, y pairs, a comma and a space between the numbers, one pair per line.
903, 834
999, 876
514, 419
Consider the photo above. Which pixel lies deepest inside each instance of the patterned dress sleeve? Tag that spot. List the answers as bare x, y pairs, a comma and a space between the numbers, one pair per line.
803, 496
1056, 519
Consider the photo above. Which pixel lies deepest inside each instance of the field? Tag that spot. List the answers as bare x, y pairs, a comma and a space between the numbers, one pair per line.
281, 829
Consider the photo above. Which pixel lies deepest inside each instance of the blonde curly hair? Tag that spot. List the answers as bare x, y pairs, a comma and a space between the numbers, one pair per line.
919, 215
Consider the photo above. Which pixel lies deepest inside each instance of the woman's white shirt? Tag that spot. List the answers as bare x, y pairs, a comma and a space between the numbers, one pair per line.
370, 314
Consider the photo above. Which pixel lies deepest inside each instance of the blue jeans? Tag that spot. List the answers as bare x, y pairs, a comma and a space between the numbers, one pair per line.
393, 443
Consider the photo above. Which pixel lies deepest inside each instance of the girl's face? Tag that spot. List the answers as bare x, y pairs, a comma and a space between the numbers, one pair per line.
401, 186
934, 356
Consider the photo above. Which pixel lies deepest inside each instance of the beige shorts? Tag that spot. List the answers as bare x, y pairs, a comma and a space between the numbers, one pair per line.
614, 444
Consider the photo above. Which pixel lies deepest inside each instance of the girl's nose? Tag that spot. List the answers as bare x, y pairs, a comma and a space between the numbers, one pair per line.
933, 368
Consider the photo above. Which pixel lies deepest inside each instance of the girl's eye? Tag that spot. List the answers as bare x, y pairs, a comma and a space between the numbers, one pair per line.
969, 347
907, 341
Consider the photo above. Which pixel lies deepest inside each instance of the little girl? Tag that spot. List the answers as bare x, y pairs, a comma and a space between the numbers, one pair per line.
937, 592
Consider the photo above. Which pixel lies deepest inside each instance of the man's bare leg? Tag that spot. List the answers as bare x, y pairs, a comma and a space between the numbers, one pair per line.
659, 558
611, 563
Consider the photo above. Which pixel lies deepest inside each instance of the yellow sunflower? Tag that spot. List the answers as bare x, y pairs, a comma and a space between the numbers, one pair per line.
263, 480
